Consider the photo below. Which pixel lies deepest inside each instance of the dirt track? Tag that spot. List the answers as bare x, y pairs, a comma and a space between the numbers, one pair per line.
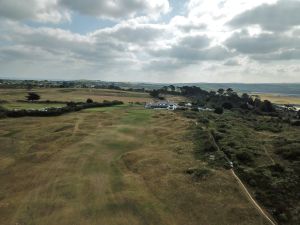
262, 212
245, 190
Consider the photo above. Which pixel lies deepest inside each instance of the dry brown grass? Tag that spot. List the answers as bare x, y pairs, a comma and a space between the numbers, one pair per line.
280, 99
123, 165
75, 94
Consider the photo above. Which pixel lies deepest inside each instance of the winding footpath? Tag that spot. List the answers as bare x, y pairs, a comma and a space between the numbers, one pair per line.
245, 190
243, 187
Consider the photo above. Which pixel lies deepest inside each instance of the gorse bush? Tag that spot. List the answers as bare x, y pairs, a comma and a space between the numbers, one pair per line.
245, 157
219, 110
89, 100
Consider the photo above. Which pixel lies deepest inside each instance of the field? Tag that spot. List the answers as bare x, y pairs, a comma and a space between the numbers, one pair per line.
280, 99
77, 95
118, 165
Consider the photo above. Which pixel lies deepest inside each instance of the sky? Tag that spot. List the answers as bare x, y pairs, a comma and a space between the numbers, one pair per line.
170, 41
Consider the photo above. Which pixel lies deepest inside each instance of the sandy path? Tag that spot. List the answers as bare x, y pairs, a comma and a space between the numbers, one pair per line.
245, 190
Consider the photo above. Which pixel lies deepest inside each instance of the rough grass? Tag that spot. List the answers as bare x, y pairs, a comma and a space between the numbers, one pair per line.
75, 94
281, 99
123, 165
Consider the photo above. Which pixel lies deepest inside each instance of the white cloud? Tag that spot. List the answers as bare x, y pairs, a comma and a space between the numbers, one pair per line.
117, 9
37, 10
55, 11
276, 17
197, 45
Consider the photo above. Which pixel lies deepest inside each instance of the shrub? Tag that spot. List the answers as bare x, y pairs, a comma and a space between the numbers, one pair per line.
71, 104
268, 126
2, 112
199, 173
217, 135
227, 105
267, 106
244, 157
232, 144
219, 110
209, 146
290, 152
203, 120
295, 123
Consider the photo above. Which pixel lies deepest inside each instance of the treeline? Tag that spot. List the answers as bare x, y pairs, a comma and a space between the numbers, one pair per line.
70, 107
223, 99
30, 84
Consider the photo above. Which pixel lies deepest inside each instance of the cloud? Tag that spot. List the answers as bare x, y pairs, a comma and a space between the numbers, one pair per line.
289, 54
232, 62
59, 45
150, 40
37, 10
140, 34
187, 25
265, 46
56, 11
117, 9
280, 16
195, 42
192, 52
263, 43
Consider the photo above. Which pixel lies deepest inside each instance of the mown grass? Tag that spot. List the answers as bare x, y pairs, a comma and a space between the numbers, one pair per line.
106, 109
137, 116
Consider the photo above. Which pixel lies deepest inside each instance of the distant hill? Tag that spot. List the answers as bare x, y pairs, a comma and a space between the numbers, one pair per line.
281, 89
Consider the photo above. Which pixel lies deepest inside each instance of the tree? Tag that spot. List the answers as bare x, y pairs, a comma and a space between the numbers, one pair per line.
154, 93
172, 87
221, 91
213, 93
229, 91
89, 100
257, 102
32, 96
267, 106
245, 96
